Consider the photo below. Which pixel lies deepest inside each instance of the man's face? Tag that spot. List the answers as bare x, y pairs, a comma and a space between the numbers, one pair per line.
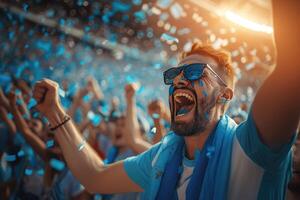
118, 132
191, 102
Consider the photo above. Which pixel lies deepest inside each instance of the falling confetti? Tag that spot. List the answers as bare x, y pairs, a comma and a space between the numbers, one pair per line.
169, 38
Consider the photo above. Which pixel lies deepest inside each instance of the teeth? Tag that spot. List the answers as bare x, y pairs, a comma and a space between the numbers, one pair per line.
189, 97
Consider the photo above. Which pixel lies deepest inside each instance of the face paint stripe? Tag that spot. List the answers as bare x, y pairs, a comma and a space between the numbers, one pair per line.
171, 90
204, 93
201, 83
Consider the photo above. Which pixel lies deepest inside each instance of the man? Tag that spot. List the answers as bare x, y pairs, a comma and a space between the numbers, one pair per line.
206, 156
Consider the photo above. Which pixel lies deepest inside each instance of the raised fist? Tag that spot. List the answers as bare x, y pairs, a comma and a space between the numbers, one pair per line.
130, 90
45, 93
156, 107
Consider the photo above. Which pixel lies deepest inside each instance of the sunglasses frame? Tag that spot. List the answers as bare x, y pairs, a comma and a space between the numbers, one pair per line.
183, 67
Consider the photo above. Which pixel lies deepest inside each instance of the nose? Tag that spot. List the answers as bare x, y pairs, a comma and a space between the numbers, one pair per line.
180, 81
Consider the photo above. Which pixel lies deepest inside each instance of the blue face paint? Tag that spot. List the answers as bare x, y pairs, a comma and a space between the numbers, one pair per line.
206, 116
201, 83
204, 93
171, 90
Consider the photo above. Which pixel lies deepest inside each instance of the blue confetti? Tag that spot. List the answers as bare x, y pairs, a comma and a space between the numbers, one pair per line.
40, 172
11, 35
32, 102
35, 114
60, 50
164, 3
86, 98
4, 79
140, 16
10, 158
141, 90
19, 102
137, 2
183, 31
61, 93
158, 66
49, 144
176, 10
25, 7
120, 7
28, 172
26, 116
21, 153
130, 79
94, 118
50, 13
57, 164
45, 120
168, 38
10, 116
18, 92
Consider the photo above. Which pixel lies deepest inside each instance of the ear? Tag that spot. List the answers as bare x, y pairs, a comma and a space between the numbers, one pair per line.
226, 95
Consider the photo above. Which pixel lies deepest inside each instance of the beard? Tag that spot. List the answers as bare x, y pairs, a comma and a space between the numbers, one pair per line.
199, 122
196, 126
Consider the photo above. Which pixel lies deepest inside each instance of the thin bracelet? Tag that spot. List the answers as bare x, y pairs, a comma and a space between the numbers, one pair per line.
66, 119
81, 145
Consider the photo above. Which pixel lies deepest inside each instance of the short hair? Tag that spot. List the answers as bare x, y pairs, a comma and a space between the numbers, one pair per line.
222, 57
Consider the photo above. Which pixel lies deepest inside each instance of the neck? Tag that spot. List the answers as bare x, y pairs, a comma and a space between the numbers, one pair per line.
192, 143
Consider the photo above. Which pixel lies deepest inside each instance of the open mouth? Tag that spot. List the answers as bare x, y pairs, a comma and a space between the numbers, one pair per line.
184, 103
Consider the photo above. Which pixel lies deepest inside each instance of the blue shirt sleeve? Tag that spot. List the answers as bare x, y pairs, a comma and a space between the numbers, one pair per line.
139, 167
249, 139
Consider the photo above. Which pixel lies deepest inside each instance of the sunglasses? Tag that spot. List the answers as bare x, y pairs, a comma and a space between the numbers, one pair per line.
191, 72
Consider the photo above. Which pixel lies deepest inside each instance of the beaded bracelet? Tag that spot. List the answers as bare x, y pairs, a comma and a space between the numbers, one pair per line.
66, 119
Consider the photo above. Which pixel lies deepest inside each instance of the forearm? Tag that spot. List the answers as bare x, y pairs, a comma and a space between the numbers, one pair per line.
135, 141
286, 33
276, 107
84, 164
139, 145
131, 114
10, 124
34, 141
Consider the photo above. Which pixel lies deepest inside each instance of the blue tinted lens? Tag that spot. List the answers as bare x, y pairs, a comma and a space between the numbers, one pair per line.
170, 74
193, 72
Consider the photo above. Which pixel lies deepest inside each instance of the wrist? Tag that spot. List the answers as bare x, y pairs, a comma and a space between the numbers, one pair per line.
56, 115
